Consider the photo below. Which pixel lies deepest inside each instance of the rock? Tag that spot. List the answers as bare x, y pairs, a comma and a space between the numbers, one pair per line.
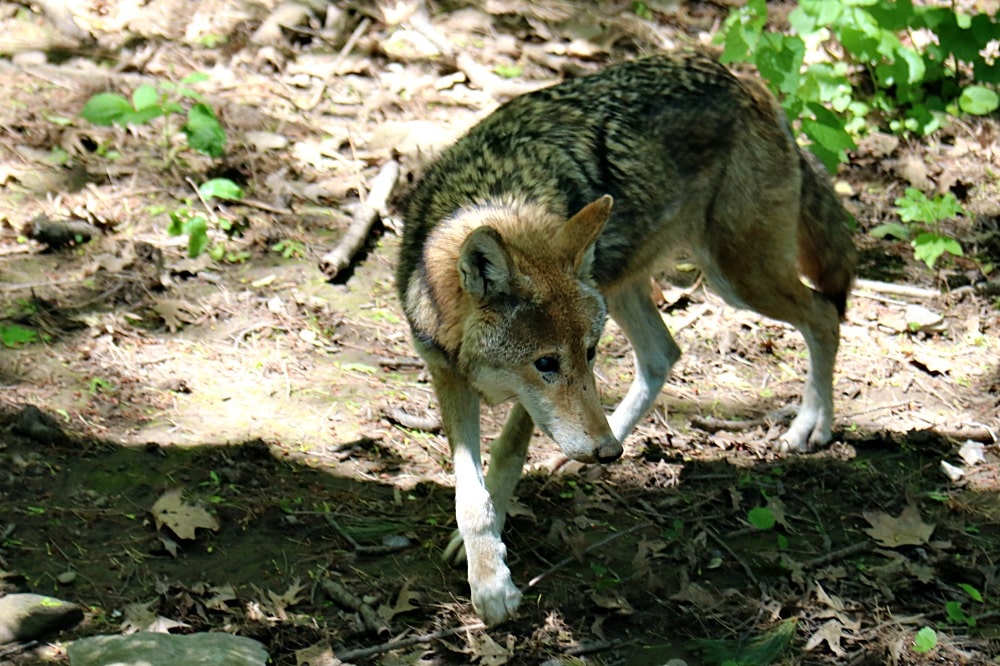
38, 426
25, 617
204, 649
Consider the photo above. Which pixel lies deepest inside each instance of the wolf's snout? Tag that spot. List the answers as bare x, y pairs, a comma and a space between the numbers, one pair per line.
608, 450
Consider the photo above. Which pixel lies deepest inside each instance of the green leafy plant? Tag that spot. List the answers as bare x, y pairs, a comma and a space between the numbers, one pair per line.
865, 67
98, 385
922, 218
509, 71
954, 612
289, 249
185, 221
925, 640
201, 128
761, 517
15, 335
642, 10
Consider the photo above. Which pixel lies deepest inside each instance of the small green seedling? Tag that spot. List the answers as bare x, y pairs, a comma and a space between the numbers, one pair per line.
921, 225
202, 129
185, 221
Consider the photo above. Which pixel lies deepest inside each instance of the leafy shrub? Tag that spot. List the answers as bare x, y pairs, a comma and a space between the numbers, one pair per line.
868, 73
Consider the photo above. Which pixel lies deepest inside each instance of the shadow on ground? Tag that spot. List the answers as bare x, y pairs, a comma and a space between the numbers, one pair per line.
635, 563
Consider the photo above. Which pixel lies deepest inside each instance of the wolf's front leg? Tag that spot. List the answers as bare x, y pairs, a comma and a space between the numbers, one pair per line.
494, 595
507, 455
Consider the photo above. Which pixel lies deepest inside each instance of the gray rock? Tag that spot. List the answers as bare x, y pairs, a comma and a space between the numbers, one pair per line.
205, 649
25, 617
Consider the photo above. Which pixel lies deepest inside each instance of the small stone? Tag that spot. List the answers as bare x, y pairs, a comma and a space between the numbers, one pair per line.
204, 649
26, 617
953, 472
66, 578
395, 541
972, 453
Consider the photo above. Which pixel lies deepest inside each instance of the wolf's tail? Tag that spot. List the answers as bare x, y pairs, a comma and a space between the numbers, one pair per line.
826, 251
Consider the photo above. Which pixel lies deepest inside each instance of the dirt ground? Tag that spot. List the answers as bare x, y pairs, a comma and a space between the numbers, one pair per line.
294, 417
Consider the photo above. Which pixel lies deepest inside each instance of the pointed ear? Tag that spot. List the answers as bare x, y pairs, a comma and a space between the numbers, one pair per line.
485, 268
576, 239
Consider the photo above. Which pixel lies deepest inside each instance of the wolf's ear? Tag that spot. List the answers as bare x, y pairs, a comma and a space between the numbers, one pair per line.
485, 268
576, 239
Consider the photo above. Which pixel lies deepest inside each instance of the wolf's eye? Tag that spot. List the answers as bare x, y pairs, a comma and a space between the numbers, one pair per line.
547, 364
591, 353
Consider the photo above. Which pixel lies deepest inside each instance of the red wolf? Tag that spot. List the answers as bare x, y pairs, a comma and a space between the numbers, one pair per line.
513, 255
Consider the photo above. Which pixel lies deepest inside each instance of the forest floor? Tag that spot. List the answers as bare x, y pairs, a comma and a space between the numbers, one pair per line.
271, 396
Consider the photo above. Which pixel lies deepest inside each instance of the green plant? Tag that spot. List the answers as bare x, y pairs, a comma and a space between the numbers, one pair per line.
15, 335
185, 221
954, 612
761, 517
871, 63
98, 385
508, 71
642, 10
202, 129
925, 640
605, 578
289, 249
924, 216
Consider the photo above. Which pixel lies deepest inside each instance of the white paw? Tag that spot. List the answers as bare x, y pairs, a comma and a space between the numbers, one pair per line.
809, 431
454, 552
495, 599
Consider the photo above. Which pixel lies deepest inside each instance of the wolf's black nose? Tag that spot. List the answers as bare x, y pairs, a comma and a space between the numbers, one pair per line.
608, 450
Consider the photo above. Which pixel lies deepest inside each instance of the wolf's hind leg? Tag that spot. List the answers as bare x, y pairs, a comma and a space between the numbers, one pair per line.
632, 307
764, 277
812, 425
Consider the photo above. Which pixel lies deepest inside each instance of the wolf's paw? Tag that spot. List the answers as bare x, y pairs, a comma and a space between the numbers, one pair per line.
496, 599
454, 552
808, 432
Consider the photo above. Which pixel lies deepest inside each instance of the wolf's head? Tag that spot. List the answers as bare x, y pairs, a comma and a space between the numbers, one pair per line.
536, 321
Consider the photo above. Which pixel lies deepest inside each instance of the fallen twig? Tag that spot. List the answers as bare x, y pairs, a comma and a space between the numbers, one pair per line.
381, 188
977, 432
711, 424
833, 556
412, 422
362, 549
896, 289
362, 653
349, 45
732, 553
16, 648
369, 618
589, 549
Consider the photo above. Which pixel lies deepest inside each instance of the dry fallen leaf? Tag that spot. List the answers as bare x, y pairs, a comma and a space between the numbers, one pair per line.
180, 516
830, 632
908, 529
176, 312
404, 603
488, 652
290, 597
320, 654
223, 594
